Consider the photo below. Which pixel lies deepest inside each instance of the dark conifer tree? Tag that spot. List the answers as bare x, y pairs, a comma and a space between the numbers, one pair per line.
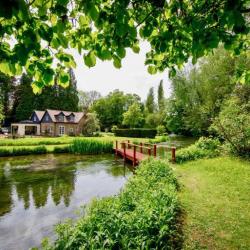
150, 102
160, 96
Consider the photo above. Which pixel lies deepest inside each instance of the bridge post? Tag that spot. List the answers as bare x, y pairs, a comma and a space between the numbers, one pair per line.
173, 149
116, 147
141, 147
134, 156
124, 152
154, 150
149, 152
128, 144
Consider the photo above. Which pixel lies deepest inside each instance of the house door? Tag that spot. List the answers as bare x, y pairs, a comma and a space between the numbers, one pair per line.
61, 130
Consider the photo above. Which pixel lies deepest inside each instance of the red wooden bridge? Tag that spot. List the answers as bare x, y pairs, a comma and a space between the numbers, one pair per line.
135, 153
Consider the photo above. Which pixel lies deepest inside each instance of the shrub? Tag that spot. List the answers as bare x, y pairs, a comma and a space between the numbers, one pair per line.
134, 219
114, 127
91, 124
233, 122
159, 139
160, 130
90, 146
208, 143
136, 132
203, 148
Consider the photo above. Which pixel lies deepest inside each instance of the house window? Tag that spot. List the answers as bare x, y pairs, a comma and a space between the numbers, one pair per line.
61, 130
34, 119
46, 118
71, 130
60, 118
71, 118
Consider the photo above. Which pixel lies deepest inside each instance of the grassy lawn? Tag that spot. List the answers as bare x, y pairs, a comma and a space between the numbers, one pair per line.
50, 148
35, 141
215, 195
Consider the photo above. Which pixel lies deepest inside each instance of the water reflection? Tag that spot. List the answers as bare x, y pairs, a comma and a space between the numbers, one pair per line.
36, 193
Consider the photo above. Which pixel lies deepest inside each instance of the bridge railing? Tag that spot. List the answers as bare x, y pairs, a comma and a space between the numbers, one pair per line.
126, 145
151, 149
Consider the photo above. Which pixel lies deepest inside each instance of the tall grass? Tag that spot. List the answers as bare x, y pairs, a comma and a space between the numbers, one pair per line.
145, 215
90, 146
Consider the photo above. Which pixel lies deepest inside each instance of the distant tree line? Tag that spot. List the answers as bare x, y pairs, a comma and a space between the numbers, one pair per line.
206, 99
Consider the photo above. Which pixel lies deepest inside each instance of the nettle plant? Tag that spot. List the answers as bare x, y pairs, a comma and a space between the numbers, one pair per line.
36, 36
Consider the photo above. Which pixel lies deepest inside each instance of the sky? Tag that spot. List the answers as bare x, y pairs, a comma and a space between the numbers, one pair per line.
131, 78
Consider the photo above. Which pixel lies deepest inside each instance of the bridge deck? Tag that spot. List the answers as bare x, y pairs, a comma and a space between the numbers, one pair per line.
130, 155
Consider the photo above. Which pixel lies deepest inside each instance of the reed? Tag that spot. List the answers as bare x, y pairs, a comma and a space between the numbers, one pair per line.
90, 146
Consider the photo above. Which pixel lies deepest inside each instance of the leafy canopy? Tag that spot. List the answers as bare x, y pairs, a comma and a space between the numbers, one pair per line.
134, 116
35, 35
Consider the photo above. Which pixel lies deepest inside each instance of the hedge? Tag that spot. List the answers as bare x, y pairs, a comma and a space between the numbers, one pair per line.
145, 215
136, 132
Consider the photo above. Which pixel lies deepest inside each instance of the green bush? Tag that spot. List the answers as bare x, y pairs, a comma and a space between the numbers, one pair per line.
233, 122
136, 132
159, 139
203, 148
145, 215
114, 128
90, 146
161, 130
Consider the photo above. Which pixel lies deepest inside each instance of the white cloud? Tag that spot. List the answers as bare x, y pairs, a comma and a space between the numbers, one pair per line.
131, 78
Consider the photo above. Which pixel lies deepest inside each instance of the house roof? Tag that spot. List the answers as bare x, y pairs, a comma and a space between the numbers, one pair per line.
39, 114
25, 122
53, 113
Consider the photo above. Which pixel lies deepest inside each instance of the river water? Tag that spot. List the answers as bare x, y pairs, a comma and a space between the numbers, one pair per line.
37, 192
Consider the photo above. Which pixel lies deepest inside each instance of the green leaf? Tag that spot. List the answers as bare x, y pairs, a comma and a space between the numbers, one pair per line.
132, 32
37, 87
121, 30
64, 79
94, 12
48, 76
55, 43
152, 70
84, 21
63, 41
136, 48
121, 52
5, 68
105, 54
117, 62
90, 59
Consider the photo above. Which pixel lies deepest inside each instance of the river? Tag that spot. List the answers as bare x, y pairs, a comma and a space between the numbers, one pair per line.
37, 192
